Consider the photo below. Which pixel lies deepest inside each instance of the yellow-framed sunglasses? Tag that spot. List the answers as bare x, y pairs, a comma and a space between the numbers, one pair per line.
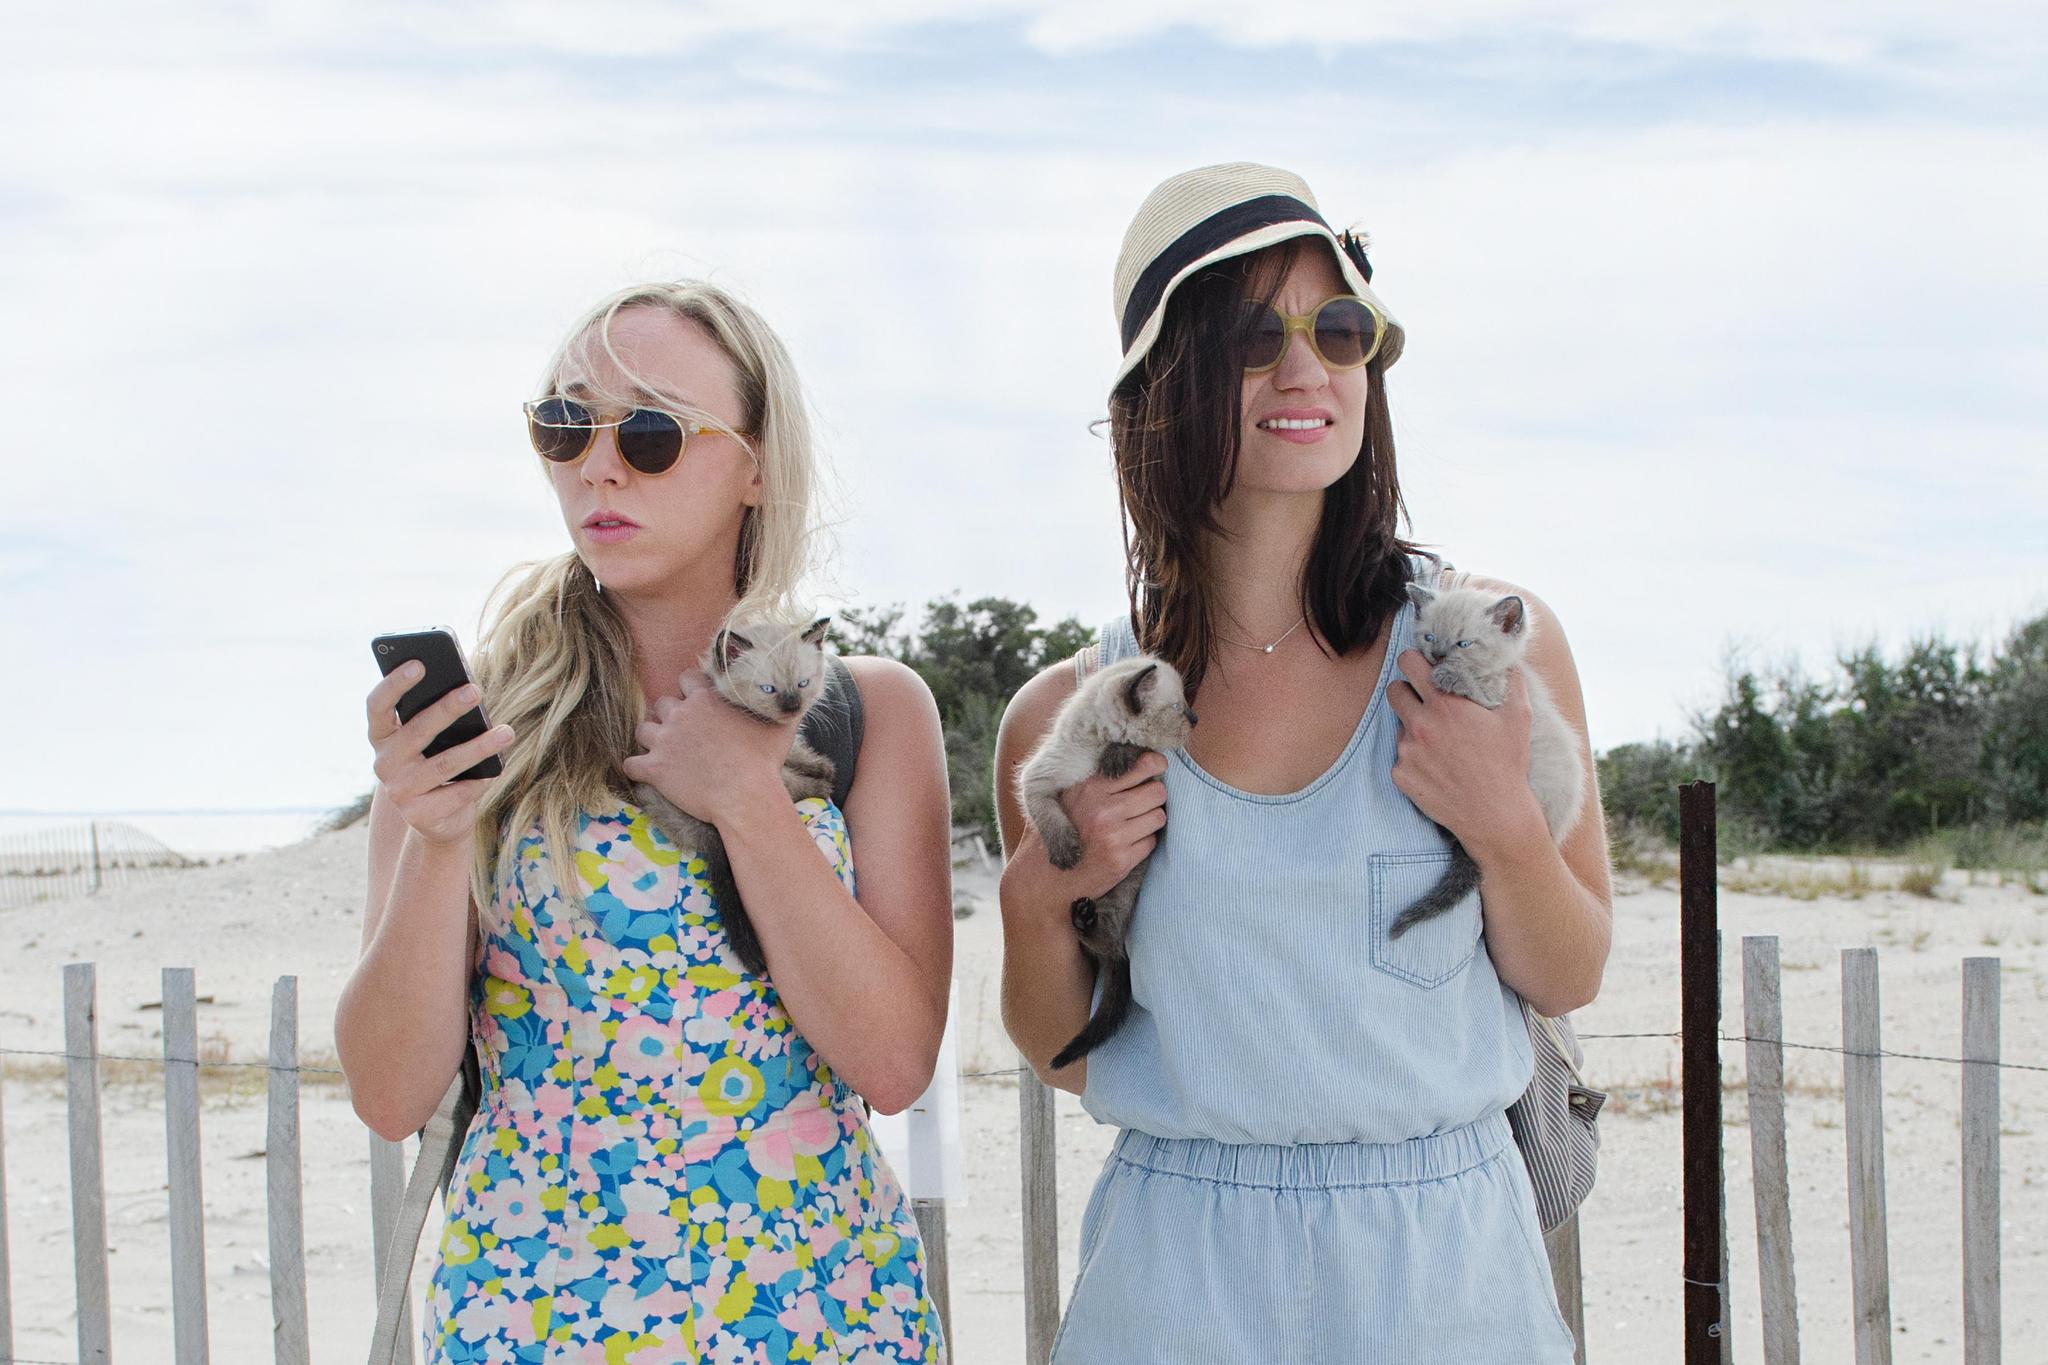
1344, 331
650, 439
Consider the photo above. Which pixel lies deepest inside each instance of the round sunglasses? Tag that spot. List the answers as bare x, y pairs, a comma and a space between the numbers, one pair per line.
650, 440
1344, 332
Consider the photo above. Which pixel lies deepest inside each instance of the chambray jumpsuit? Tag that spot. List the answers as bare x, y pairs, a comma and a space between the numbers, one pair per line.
1315, 1165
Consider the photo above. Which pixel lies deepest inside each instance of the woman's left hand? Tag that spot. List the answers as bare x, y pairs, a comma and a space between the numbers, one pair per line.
1464, 766
706, 755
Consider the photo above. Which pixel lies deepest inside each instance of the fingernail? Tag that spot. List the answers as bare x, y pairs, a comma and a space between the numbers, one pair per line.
470, 692
415, 671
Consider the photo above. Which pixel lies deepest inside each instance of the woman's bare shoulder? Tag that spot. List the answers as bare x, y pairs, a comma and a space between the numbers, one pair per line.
889, 688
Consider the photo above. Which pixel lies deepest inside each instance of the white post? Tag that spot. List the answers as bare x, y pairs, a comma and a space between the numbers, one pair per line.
282, 1186
181, 1146
88, 1181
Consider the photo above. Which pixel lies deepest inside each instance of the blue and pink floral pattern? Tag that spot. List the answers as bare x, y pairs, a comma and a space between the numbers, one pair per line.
661, 1169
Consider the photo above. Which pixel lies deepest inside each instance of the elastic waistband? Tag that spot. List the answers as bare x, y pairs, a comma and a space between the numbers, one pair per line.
1319, 1165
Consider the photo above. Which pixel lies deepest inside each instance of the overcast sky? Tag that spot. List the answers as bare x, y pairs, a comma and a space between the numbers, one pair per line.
1725, 325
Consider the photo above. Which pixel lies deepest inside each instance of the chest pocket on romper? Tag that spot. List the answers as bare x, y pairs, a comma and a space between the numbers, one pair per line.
1437, 949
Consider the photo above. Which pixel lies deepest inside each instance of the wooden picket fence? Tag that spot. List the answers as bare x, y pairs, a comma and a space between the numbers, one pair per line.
1762, 1037
53, 864
1863, 1057
181, 1133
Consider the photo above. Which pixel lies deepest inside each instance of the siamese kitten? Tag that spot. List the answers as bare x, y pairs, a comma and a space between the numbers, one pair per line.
1111, 720
773, 672
1472, 639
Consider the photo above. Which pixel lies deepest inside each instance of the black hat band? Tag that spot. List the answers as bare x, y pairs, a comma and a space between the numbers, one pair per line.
1218, 230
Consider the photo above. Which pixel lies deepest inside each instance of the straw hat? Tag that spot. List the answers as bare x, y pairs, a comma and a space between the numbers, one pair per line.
1210, 214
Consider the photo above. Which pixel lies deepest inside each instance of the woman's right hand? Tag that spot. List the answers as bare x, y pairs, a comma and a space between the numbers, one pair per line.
1118, 819
436, 809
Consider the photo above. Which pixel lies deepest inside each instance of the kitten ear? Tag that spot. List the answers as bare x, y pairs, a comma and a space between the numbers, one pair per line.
1509, 615
816, 631
1140, 687
732, 644
1420, 595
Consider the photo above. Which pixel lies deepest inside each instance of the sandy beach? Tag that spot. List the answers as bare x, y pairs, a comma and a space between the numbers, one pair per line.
298, 911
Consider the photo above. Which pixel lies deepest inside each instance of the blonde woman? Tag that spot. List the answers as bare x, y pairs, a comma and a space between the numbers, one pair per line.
671, 1160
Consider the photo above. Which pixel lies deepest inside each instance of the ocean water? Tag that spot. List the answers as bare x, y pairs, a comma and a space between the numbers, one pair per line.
195, 833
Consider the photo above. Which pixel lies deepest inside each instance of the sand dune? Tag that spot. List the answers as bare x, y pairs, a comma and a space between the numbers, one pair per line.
298, 911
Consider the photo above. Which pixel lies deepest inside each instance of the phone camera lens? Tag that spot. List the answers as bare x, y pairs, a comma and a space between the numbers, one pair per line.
383, 649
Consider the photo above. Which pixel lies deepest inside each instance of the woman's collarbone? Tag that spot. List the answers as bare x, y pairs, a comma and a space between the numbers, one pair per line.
1277, 734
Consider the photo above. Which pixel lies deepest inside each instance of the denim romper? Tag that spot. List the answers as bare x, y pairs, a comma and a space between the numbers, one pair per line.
1315, 1164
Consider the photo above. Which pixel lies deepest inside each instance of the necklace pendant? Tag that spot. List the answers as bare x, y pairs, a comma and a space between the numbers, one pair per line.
1270, 648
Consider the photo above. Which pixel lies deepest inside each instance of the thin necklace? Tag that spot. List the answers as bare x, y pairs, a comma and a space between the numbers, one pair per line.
1264, 649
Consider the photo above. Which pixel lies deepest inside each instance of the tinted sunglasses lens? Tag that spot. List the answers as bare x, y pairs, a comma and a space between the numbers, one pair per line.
1346, 332
650, 441
1267, 340
558, 427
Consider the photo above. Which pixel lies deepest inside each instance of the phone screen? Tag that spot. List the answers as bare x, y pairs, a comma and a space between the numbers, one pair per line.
437, 650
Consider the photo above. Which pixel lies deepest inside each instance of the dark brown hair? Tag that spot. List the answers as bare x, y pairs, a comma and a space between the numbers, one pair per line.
1173, 426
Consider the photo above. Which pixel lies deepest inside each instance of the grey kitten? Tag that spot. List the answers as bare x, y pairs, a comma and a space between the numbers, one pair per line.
1113, 718
773, 671
1472, 639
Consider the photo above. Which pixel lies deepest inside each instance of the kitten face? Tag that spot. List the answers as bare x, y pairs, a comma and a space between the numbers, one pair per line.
771, 669
1471, 638
1140, 701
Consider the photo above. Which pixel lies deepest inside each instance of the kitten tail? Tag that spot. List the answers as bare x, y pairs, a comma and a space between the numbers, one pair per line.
1460, 879
732, 912
1116, 1002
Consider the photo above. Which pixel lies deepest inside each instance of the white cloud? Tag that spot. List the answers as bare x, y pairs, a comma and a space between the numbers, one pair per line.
280, 290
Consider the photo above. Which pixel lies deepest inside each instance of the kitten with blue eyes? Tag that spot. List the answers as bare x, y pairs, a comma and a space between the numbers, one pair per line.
1473, 640
773, 672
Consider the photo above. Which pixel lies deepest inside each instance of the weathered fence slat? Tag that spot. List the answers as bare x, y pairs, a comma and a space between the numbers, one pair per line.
88, 1182
387, 1191
1863, 1115
1566, 1277
931, 1230
281, 1182
181, 1146
1982, 1328
6, 1272
1763, 1024
1039, 1151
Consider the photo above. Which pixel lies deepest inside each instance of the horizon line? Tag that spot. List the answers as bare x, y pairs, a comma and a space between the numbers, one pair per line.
179, 810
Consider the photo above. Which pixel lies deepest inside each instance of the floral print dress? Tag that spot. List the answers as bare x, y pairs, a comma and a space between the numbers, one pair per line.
661, 1169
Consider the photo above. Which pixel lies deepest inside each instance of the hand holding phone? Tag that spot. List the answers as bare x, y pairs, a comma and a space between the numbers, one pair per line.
438, 653
430, 735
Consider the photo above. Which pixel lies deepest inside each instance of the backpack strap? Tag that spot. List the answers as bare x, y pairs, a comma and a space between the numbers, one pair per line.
835, 725
440, 1142
1115, 641
1432, 570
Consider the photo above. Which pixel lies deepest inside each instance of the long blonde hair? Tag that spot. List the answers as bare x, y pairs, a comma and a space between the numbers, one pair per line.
555, 660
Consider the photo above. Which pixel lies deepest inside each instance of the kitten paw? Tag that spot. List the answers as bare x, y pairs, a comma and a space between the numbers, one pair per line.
1063, 850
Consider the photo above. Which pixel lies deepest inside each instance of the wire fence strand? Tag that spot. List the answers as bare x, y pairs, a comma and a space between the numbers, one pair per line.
1882, 1053
160, 1061
1672, 1036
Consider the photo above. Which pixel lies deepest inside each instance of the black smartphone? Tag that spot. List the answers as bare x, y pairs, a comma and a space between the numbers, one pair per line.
445, 672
